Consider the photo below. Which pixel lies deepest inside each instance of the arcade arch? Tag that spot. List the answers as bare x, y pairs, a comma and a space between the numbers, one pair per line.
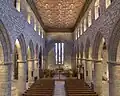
19, 67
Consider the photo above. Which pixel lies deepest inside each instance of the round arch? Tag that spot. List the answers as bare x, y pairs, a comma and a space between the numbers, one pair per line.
19, 66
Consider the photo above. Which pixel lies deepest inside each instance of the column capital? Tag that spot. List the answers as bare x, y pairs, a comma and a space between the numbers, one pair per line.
94, 60
82, 58
20, 61
78, 58
97, 61
89, 60
30, 59
36, 59
114, 63
6, 63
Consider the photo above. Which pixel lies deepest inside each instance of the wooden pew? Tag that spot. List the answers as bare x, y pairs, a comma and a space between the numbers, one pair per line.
42, 87
75, 87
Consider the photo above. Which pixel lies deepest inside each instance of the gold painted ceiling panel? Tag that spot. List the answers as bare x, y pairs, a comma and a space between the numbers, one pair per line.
59, 13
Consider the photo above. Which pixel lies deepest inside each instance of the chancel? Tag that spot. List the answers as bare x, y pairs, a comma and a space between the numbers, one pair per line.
59, 47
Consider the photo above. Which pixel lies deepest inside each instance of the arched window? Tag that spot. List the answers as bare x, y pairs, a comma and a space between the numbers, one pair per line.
108, 2
75, 35
35, 25
97, 9
81, 29
89, 18
29, 18
78, 33
85, 24
59, 53
42, 33
39, 30
17, 4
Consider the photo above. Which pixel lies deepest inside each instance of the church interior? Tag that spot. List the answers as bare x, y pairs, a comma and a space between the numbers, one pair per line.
59, 47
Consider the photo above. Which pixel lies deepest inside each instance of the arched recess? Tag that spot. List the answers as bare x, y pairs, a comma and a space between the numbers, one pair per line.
100, 56
1, 54
40, 62
76, 56
114, 60
19, 66
30, 63
82, 50
36, 61
5, 61
40, 58
87, 49
89, 63
36, 51
83, 63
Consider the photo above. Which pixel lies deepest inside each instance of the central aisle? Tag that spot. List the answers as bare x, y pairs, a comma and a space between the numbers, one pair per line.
59, 85
59, 88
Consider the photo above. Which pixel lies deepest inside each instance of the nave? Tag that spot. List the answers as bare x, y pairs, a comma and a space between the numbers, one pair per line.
78, 38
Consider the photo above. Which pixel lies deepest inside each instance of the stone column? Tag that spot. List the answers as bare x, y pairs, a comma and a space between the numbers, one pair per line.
89, 70
21, 82
84, 65
30, 72
5, 79
114, 78
78, 68
36, 70
98, 77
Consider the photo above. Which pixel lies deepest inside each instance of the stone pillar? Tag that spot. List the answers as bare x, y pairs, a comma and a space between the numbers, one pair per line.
36, 70
84, 65
98, 77
73, 63
114, 78
78, 68
5, 79
30, 72
21, 82
89, 70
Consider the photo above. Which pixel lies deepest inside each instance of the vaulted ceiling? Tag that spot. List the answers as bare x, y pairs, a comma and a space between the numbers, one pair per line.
59, 15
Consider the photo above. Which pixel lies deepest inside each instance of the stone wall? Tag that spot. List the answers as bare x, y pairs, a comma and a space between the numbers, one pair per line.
106, 26
14, 25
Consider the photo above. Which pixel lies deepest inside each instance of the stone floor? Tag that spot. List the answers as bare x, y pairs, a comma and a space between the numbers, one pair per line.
59, 86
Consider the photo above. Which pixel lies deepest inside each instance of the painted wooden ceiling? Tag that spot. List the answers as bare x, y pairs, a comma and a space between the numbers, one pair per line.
59, 14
